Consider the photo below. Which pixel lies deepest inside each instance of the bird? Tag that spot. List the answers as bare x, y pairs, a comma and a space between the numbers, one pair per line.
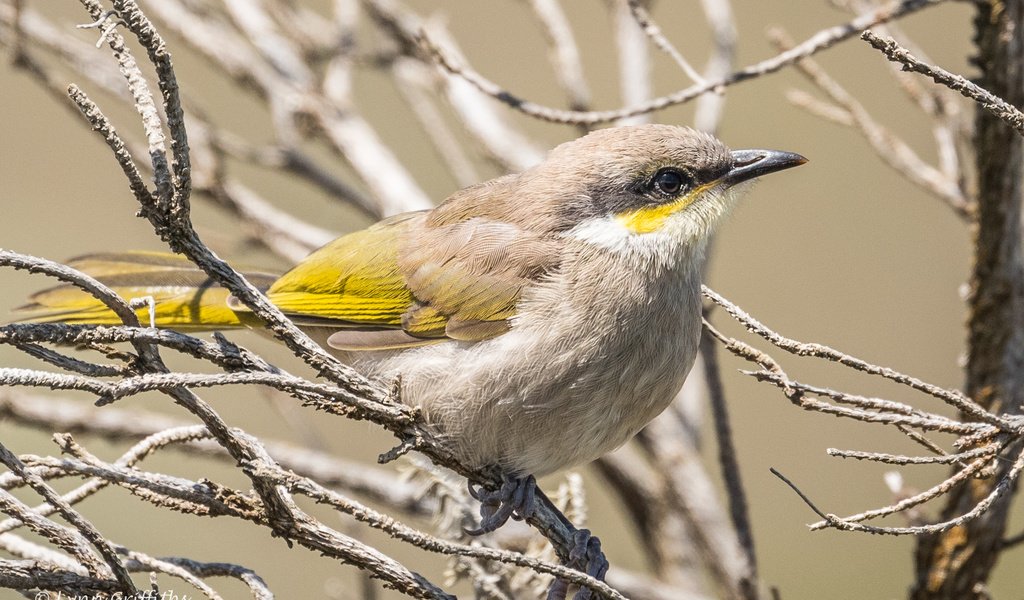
539, 320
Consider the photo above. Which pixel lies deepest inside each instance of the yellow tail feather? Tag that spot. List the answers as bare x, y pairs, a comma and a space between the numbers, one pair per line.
184, 297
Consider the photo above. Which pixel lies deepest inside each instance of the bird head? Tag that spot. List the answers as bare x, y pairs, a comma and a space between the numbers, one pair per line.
644, 185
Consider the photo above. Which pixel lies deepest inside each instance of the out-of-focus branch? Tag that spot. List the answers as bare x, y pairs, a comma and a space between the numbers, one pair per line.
652, 31
691, 493
734, 490
503, 143
564, 51
710, 107
634, 61
415, 81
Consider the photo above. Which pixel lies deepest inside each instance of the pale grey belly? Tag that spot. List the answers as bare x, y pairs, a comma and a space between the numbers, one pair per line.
574, 378
533, 401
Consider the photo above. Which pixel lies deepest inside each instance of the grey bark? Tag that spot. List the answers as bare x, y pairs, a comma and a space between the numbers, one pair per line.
957, 563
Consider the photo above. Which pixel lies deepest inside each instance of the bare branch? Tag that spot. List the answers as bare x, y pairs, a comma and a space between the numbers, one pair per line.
35, 575
1003, 486
425, 541
890, 148
250, 578
990, 102
951, 397
822, 40
652, 31
727, 459
68, 539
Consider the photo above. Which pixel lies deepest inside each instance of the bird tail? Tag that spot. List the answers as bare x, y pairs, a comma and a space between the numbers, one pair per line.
184, 297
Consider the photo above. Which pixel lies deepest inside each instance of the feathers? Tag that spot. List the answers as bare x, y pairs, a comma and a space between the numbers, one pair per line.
185, 297
471, 272
401, 283
361, 340
537, 320
353, 279
460, 280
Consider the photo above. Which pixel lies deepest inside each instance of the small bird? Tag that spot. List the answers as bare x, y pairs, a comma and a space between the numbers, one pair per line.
539, 320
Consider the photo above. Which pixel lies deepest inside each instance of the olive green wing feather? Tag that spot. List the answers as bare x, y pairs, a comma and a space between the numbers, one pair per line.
469, 283
404, 282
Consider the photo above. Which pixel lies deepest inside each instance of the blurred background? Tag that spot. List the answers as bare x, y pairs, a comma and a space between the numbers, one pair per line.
843, 251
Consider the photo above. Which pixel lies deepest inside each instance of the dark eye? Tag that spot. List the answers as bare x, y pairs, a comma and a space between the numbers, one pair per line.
669, 182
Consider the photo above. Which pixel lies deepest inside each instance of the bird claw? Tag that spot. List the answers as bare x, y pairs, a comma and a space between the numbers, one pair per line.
586, 555
514, 499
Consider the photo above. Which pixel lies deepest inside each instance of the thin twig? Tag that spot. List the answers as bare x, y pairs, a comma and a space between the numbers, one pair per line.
952, 397
822, 40
652, 31
897, 459
1004, 485
990, 102
889, 147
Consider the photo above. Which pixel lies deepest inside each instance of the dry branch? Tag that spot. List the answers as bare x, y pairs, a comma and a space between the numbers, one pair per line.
985, 99
300, 65
822, 40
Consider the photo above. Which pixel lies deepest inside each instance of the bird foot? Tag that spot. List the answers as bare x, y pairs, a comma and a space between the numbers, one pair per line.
515, 498
586, 555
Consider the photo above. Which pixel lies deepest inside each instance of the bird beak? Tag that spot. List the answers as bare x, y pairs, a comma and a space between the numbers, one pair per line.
748, 164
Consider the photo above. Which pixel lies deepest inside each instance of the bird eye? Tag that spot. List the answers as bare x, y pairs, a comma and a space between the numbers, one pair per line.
669, 182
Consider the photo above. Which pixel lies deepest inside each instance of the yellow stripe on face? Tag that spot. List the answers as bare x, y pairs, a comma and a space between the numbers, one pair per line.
649, 219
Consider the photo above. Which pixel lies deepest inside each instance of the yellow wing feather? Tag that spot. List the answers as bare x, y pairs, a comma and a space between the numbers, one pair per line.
354, 279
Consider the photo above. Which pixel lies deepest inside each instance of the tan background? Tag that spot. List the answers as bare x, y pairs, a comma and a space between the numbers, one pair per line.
842, 251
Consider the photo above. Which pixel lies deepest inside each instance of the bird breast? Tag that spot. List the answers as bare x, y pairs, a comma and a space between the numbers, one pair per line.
596, 351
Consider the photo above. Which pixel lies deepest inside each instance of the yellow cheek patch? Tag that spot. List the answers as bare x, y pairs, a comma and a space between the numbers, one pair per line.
652, 218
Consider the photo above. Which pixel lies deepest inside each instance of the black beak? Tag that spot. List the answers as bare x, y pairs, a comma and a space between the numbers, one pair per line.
748, 164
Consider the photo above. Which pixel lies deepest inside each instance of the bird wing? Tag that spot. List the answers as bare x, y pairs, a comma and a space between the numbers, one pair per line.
405, 282
468, 283
400, 283
351, 281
